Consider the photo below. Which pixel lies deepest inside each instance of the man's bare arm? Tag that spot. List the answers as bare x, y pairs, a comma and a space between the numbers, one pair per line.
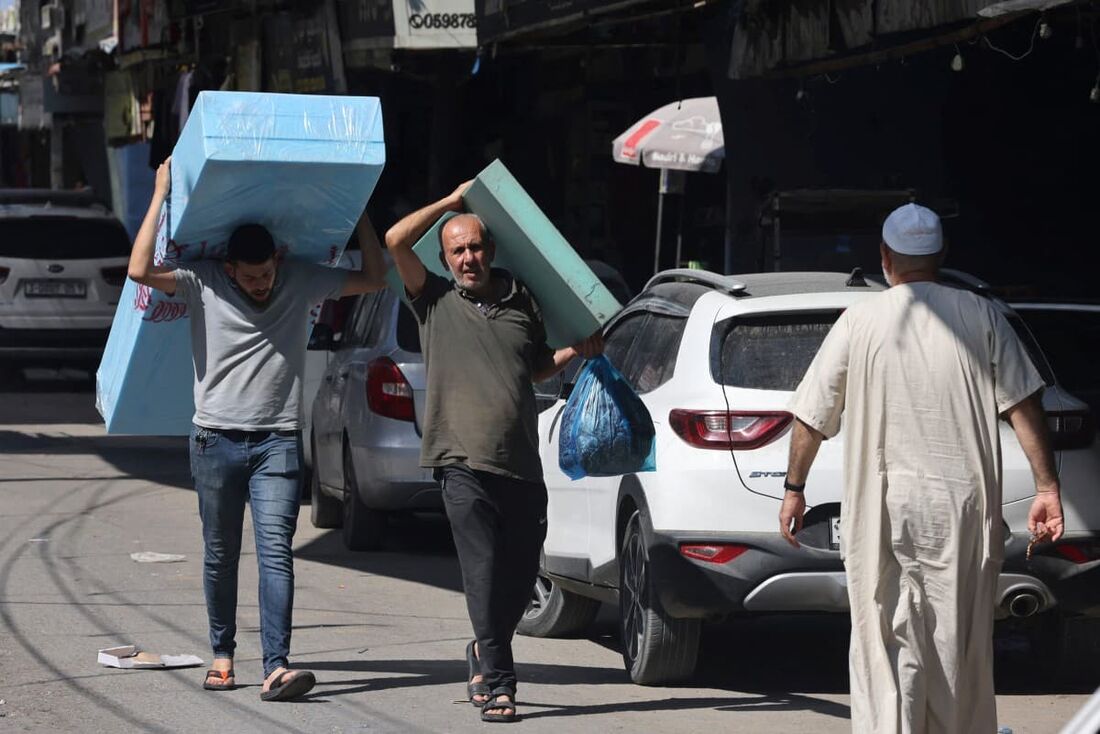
1029, 421
402, 236
588, 348
805, 441
141, 269
371, 275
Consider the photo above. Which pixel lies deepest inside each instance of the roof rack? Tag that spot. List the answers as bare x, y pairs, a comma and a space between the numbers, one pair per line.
84, 197
723, 283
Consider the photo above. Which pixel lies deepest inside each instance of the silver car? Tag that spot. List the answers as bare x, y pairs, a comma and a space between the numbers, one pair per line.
366, 425
63, 263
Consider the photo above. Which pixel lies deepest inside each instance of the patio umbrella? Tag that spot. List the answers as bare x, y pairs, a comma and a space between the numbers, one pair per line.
681, 136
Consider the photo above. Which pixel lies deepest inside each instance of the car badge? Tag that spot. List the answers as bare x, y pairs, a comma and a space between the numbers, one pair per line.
55, 268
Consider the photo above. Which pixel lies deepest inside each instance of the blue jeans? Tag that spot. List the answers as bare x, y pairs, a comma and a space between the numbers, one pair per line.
231, 468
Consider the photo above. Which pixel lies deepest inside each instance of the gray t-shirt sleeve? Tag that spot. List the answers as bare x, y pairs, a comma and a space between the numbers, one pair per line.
435, 286
321, 283
189, 280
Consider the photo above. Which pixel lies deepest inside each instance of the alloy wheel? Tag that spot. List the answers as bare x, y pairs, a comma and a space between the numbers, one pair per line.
633, 591
540, 596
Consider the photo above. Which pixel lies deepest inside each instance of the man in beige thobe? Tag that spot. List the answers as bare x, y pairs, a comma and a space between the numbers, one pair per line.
922, 373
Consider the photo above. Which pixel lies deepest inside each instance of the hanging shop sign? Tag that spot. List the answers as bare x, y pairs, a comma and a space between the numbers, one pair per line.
297, 54
434, 24
412, 24
365, 23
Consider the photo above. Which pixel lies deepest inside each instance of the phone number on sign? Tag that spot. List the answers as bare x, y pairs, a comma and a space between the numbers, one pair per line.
442, 20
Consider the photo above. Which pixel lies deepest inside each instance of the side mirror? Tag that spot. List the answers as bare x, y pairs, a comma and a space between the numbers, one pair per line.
323, 338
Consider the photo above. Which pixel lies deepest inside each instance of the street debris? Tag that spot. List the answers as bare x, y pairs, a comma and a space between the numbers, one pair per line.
39, 540
151, 557
128, 656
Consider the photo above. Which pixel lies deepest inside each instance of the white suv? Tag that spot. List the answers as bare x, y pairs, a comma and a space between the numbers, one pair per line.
715, 359
62, 266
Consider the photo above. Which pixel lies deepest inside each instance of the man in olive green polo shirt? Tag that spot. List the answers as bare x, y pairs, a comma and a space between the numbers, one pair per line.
484, 346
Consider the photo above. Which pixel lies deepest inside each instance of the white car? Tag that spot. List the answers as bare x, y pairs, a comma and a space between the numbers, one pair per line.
716, 359
63, 263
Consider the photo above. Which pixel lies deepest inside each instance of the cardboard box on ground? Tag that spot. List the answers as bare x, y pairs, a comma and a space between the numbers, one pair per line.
574, 302
303, 166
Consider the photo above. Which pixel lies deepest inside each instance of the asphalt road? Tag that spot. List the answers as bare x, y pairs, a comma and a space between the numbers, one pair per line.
384, 632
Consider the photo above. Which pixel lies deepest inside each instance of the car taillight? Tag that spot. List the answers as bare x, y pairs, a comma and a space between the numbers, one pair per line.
4, 274
388, 392
1079, 552
728, 430
712, 552
114, 276
1071, 429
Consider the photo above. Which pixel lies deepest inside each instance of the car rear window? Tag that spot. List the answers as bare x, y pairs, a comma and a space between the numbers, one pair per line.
1032, 348
768, 352
774, 352
62, 238
408, 331
653, 358
1071, 340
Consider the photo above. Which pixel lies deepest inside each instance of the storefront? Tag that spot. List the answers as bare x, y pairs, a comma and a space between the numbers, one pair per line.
992, 117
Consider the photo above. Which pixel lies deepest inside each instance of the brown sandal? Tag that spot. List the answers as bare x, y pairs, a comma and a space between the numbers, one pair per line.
223, 676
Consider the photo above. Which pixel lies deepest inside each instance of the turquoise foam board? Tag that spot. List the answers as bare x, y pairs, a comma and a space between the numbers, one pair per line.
304, 166
574, 302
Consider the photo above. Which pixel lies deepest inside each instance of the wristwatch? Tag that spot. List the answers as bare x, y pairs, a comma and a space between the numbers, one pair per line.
800, 488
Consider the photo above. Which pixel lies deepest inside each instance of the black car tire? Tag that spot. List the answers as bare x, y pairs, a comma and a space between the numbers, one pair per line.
555, 612
364, 528
324, 511
657, 649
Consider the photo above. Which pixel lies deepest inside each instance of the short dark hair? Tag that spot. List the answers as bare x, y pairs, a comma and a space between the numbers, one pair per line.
251, 244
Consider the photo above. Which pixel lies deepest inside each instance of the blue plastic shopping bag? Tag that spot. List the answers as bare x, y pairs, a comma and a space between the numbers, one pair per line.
606, 430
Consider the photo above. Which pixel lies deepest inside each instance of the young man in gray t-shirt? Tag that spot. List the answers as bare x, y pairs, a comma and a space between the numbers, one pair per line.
249, 327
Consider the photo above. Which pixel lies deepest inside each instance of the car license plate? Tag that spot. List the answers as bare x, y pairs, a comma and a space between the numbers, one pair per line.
834, 533
55, 288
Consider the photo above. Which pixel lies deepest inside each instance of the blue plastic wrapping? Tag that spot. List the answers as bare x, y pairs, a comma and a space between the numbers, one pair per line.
303, 166
606, 429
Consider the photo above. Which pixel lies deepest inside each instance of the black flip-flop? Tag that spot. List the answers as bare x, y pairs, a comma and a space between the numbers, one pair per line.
224, 676
474, 689
291, 684
492, 703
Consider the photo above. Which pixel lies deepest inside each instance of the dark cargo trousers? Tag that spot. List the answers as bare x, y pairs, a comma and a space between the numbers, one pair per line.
499, 525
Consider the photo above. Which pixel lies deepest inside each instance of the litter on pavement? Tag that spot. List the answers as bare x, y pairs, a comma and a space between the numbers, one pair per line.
128, 656
151, 557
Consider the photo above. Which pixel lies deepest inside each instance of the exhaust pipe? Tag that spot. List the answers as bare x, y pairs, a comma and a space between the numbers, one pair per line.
1023, 604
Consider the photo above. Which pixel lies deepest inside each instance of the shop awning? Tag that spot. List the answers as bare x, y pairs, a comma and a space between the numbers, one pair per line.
499, 20
783, 38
